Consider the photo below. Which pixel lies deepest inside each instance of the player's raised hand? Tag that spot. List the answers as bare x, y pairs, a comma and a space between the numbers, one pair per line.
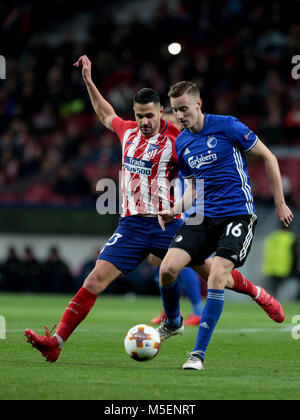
86, 65
164, 217
284, 214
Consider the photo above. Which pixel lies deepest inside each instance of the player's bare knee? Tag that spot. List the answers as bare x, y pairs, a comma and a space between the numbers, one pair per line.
167, 274
95, 281
100, 277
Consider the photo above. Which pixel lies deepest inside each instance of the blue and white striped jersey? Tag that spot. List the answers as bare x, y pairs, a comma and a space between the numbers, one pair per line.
216, 156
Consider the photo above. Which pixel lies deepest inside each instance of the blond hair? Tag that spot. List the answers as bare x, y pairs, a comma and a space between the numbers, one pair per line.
181, 88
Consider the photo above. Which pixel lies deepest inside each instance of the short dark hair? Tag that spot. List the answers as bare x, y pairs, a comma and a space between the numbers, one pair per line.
146, 95
181, 88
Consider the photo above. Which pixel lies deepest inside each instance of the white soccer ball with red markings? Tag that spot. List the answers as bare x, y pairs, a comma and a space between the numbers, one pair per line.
142, 342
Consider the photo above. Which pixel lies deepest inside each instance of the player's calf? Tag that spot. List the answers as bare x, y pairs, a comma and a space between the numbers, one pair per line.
173, 263
219, 274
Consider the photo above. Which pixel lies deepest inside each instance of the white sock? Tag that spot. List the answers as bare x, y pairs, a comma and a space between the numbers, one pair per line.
258, 292
60, 340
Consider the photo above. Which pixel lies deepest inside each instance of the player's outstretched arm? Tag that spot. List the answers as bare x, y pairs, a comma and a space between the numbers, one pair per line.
103, 109
273, 172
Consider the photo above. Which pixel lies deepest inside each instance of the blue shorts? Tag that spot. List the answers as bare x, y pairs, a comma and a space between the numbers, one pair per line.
135, 238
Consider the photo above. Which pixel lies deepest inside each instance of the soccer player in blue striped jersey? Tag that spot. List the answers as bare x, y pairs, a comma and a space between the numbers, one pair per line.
212, 148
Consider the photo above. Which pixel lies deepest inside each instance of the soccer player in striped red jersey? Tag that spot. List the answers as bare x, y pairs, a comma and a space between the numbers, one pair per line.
148, 161
149, 164
148, 156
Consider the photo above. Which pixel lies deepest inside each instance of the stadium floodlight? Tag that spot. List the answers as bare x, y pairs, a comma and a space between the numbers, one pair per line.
174, 48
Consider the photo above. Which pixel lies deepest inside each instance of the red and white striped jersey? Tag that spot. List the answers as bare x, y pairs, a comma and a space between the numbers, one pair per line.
148, 166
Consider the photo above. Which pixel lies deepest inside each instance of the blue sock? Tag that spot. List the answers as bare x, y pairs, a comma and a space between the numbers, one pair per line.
198, 309
210, 317
171, 300
156, 275
192, 288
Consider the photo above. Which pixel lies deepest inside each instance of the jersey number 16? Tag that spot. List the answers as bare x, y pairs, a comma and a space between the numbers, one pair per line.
235, 231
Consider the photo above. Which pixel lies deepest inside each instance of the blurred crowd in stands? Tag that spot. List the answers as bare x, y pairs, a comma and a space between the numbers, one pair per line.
25, 272
53, 150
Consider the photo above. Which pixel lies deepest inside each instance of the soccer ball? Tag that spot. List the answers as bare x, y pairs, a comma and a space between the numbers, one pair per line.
142, 342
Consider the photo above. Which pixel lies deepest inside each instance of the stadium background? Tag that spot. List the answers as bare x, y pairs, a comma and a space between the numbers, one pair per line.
53, 149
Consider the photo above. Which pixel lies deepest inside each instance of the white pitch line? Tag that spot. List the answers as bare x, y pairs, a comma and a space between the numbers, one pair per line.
222, 331
255, 330
40, 331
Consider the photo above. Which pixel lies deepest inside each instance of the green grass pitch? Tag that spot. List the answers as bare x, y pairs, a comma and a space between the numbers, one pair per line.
249, 357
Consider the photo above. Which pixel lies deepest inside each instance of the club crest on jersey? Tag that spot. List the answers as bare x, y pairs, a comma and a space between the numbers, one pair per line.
212, 142
152, 151
246, 137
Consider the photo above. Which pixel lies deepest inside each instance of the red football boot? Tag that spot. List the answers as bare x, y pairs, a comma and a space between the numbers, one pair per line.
270, 305
192, 320
158, 320
47, 345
